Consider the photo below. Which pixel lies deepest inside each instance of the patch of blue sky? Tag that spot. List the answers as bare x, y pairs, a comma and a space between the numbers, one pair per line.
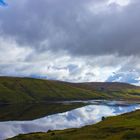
3, 3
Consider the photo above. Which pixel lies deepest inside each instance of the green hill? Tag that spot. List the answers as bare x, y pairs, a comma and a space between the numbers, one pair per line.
18, 90
123, 127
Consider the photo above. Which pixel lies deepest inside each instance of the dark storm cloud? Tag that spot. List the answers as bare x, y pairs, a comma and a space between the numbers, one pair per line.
79, 27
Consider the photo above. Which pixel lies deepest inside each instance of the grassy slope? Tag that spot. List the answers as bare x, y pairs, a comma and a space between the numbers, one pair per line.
124, 127
17, 90
112, 90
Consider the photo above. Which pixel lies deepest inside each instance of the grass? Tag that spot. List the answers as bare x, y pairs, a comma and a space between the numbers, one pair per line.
18, 90
123, 127
21, 90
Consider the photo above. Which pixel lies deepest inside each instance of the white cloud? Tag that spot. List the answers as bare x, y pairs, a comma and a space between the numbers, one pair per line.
119, 2
11, 52
88, 42
24, 61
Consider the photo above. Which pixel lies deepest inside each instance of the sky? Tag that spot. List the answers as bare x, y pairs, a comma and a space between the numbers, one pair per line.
2, 2
75, 41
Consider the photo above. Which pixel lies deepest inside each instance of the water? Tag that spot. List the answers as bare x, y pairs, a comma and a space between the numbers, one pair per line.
89, 114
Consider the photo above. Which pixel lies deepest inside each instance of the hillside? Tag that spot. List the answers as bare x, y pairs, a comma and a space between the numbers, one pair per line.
112, 90
123, 127
17, 90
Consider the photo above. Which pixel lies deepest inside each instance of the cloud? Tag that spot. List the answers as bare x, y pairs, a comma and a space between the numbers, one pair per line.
70, 40
132, 77
119, 2
74, 27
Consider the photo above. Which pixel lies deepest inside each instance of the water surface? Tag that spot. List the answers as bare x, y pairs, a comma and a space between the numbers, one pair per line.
81, 116
22, 112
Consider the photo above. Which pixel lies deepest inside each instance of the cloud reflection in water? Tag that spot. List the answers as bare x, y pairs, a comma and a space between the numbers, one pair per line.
72, 119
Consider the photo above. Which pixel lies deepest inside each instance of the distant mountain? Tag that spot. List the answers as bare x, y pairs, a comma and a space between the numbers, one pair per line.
18, 90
